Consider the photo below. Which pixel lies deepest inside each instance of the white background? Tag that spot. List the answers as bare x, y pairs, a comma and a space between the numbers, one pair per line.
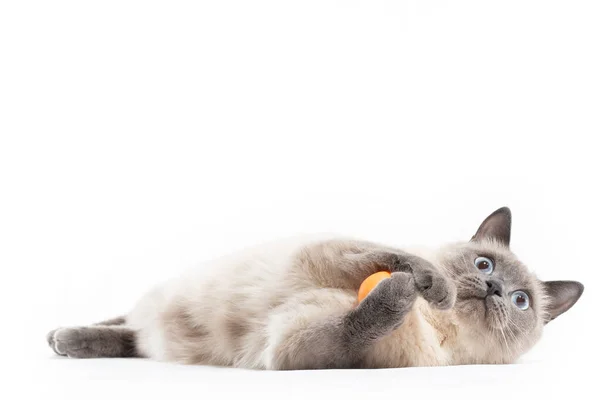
139, 138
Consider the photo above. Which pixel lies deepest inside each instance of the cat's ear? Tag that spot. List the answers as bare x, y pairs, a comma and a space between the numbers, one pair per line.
561, 295
496, 226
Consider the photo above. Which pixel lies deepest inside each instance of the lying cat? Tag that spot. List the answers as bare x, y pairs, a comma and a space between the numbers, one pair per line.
292, 305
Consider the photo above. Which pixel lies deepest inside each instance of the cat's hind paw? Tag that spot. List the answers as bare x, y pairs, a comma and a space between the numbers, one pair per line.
66, 342
52, 342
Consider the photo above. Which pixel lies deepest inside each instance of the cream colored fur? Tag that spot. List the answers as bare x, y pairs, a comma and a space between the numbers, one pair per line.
237, 310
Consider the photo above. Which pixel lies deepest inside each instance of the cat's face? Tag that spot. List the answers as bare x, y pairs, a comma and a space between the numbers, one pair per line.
500, 303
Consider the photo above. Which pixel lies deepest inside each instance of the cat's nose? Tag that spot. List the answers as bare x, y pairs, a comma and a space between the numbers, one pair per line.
494, 288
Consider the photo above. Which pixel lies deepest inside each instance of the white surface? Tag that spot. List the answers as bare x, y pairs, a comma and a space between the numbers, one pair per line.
138, 138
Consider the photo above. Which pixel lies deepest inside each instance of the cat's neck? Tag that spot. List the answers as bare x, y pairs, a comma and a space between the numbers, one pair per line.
458, 342
443, 322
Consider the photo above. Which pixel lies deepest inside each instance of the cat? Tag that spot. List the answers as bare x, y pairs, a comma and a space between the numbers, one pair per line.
293, 305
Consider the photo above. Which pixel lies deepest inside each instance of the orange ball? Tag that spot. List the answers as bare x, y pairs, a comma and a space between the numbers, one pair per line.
369, 283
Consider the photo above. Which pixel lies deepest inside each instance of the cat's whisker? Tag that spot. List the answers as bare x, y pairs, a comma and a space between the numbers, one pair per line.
505, 341
511, 322
511, 335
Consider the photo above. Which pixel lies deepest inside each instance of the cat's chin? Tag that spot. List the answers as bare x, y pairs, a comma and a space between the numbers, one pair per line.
471, 311
482, 314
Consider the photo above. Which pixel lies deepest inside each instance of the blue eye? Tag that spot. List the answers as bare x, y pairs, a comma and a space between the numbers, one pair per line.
484, 264
520, 299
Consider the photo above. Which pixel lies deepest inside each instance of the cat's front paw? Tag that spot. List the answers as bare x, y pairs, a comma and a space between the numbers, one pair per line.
433, 286
401, 293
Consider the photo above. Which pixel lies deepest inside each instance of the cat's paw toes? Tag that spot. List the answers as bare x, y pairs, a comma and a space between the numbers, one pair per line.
66, 342
51, 341
50, 338
436, 289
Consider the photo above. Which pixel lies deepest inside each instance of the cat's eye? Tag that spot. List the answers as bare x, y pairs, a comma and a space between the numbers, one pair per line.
520, 299
484, 264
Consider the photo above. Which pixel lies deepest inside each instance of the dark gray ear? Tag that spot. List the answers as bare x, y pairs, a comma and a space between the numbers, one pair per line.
562, 295
496, 226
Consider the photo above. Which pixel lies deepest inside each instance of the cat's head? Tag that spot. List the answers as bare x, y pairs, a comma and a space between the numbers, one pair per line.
500, 304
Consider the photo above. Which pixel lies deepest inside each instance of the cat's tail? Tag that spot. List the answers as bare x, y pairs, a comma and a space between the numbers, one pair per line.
121, 320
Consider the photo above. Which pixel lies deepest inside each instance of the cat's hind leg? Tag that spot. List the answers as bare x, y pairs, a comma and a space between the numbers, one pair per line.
96, 341
319, 331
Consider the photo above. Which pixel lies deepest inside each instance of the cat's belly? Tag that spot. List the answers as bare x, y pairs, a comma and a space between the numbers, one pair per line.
217, 314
